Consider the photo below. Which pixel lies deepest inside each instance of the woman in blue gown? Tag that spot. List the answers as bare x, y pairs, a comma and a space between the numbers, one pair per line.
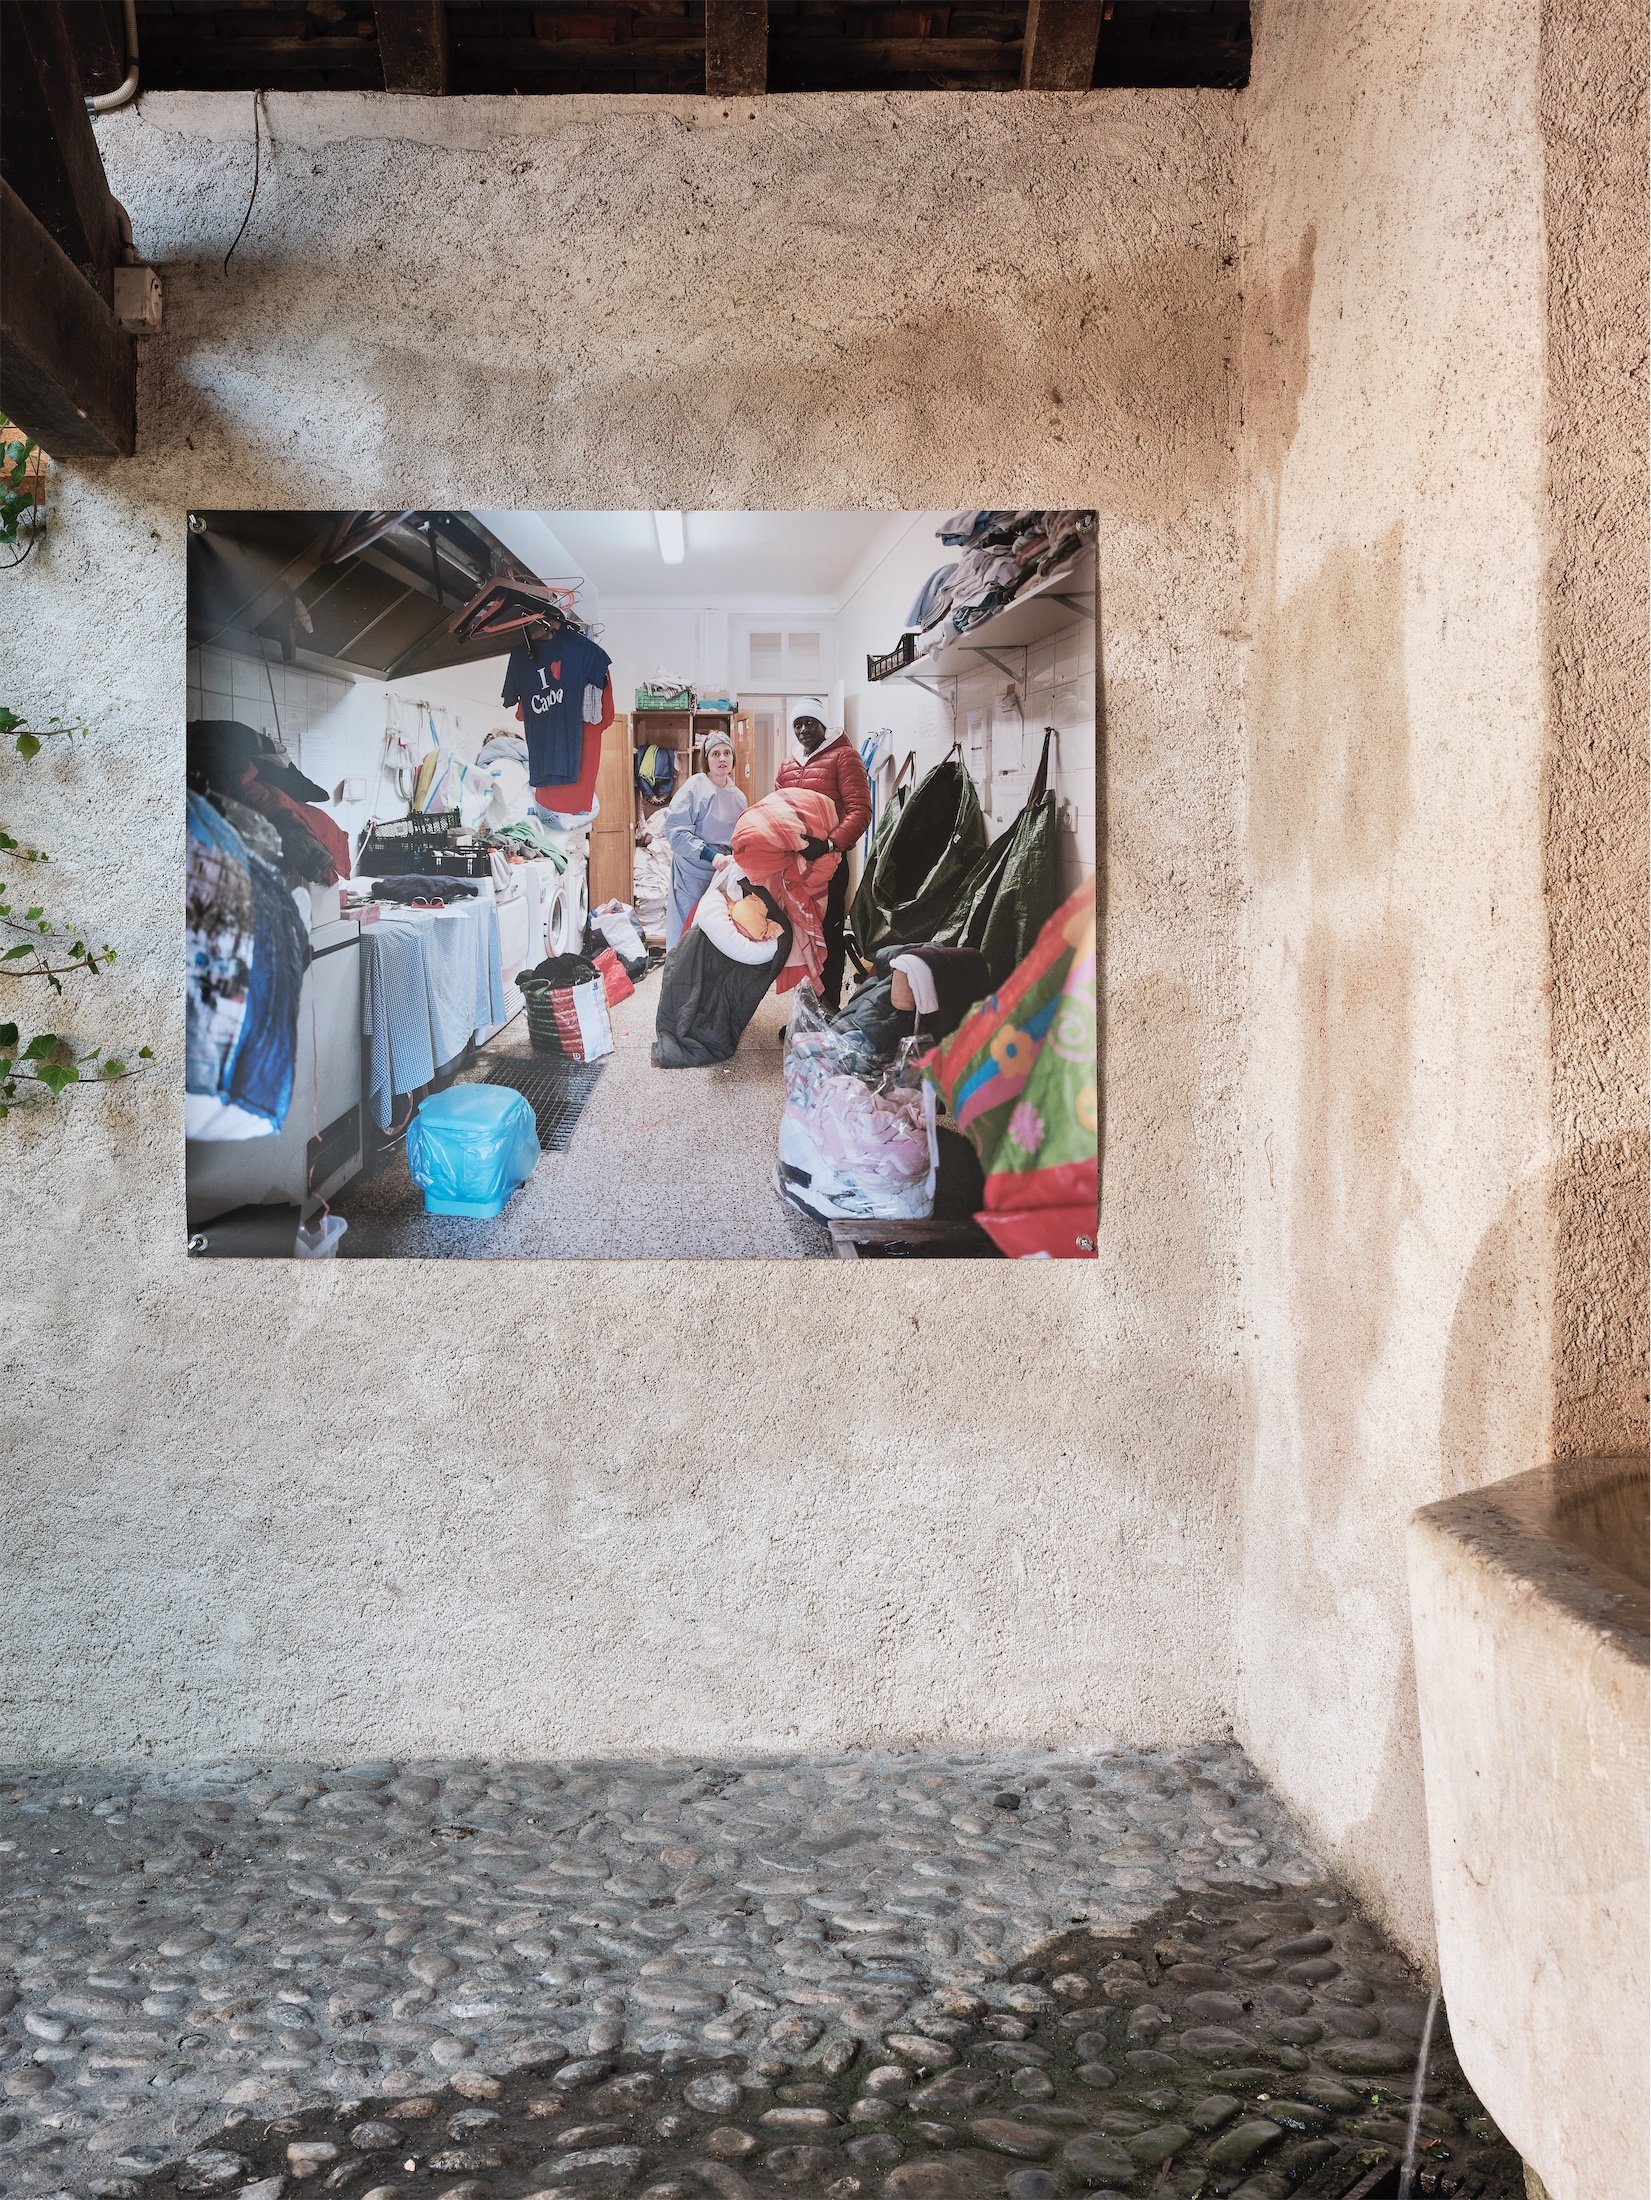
699, 825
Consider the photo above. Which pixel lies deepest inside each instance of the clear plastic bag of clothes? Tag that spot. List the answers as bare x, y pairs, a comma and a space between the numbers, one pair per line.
857, 1136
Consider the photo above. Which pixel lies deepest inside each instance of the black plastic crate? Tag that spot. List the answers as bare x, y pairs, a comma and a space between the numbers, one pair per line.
397, 846
895, 660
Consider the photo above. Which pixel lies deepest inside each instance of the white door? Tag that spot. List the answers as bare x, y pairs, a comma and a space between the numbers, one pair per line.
767, 716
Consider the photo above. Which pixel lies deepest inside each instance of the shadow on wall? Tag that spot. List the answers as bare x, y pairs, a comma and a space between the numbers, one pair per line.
1329, 799
1330, 750
1132, 363
1276, 358
1495, 1410
1349, 1198
1602, 1196
1542, 1361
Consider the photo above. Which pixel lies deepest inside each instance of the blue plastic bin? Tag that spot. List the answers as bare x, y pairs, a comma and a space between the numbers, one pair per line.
469, 1147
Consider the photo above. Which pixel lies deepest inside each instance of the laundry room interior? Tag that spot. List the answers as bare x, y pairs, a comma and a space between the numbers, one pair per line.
449, 897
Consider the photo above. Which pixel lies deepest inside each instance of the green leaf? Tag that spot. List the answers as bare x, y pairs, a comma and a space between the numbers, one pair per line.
42, 1045
9, 721
12, 953
146, 1054
8, 1035
55, 1075
28, 744
112, 1068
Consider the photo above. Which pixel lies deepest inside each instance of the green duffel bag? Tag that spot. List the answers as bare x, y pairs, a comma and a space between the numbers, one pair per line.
917, 873
862, 910
1014, 889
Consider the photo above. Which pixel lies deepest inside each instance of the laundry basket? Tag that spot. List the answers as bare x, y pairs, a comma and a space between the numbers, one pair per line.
468, 1149
567, 1009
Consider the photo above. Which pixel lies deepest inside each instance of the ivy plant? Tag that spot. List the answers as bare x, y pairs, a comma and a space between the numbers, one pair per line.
47, 950
19, 485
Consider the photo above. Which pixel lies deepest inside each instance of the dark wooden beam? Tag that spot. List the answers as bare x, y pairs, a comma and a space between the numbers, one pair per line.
48, 148
736, 48
68, 370
809, 64
1058, 52
412, 44
98, 29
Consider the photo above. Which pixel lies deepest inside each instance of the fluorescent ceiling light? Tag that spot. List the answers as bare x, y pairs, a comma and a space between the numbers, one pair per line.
673, 542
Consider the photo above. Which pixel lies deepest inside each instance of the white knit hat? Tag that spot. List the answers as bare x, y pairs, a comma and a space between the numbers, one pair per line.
810, 706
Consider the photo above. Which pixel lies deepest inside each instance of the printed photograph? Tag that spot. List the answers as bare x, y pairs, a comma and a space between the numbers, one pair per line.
639, 885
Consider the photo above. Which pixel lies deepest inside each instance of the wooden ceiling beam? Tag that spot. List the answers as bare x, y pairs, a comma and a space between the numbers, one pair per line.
736, 48
48, 148
99, 35
1058, 51
68, 370
412, 45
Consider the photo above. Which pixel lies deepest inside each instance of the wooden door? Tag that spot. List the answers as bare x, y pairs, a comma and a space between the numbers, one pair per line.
745, 760
613, 835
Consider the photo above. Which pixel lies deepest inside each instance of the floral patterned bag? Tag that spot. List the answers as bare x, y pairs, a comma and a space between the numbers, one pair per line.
1020, 1078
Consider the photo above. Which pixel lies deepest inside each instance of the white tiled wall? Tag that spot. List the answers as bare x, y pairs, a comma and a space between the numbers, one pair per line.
333, 728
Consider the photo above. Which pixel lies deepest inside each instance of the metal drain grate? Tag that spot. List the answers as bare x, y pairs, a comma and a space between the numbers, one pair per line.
556, 1092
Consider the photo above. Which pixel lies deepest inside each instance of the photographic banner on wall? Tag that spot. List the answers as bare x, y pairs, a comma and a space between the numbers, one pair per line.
639, 885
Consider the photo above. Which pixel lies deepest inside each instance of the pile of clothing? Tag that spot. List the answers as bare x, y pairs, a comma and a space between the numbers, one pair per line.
528, 839
496, 788
772, 844
425, 889
857, 1136
252, 782
246, 951
651, 878
1001, 553
503, 757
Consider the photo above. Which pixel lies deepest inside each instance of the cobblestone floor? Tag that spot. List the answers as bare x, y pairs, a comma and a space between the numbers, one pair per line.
909, 1977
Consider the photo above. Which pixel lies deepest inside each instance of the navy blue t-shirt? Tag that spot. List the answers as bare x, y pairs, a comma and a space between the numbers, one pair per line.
549, 680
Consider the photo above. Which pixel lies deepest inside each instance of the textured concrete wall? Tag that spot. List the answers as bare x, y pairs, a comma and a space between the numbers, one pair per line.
1444, 711
1397, 1101
516, 1509
1592, 92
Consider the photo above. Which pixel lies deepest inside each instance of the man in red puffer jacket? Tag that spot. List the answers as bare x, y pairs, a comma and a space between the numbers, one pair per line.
832, 768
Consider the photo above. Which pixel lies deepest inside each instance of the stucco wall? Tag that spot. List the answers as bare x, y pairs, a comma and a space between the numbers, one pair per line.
418, 1508
1438, 1230
1593, 66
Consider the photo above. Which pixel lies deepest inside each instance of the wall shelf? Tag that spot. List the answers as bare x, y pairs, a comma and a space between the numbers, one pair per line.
1043, 610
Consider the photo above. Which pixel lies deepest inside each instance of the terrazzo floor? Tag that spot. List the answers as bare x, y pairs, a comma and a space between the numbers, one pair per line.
663, 1165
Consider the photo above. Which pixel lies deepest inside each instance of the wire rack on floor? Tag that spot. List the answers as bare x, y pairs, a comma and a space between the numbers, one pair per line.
555, 1090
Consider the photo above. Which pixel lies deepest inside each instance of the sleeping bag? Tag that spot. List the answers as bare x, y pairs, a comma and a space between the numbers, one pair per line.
713, 980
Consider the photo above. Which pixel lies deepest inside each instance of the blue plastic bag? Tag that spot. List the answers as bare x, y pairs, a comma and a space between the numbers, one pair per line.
469, 1147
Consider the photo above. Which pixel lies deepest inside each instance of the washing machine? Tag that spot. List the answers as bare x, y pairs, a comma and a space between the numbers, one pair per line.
558, 901
570, 906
